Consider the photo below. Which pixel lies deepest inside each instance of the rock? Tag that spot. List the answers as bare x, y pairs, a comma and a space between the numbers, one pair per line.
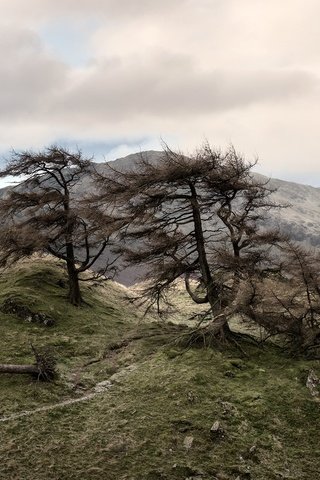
187, 443
253, 449
11, 306
250, 454
216, 431
313, 383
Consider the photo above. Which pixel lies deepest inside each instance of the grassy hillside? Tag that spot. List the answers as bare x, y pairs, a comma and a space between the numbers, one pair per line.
152, 420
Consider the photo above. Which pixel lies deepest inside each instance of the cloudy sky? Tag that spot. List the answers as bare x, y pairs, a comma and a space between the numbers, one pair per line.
116, 76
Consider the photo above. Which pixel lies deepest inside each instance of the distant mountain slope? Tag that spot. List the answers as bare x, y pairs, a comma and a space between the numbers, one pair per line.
301, 217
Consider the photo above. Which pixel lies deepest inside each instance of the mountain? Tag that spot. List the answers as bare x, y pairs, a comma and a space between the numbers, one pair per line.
300, 218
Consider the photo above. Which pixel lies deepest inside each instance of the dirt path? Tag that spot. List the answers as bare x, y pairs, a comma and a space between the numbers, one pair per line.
98, 389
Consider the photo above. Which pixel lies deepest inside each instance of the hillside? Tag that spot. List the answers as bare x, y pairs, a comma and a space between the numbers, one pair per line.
300, 219
130, 404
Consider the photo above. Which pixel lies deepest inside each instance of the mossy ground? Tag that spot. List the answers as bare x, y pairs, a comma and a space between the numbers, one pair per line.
137, 429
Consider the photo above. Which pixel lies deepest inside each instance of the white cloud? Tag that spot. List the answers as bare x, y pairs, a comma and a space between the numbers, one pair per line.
243, 72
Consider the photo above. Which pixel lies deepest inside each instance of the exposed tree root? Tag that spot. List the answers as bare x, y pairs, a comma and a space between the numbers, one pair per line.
215, 334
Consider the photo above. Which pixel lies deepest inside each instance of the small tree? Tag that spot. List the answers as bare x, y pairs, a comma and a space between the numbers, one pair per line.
187, 217
44, 213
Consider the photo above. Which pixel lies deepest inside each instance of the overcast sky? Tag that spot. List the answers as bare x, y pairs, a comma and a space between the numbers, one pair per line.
116, 76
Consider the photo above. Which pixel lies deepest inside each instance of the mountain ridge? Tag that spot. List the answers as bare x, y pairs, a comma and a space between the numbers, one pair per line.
299, 220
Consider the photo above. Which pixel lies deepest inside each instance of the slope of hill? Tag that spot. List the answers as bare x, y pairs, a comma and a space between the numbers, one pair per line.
130, 404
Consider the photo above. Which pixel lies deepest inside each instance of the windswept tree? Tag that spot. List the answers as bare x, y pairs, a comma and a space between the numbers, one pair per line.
193, 217
45, 213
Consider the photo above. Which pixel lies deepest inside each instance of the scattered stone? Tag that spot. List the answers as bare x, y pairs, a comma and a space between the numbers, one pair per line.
313, 383
11, 306
230, 374
187, 443
216, 431
253, 449
250, 454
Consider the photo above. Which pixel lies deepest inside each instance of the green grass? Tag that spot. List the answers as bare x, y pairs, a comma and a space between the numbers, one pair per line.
137, 429
79, 334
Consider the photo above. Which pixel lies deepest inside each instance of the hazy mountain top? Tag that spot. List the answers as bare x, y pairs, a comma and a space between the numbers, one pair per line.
129, 160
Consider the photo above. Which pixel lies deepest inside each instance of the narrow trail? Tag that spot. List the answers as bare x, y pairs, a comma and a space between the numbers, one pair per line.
98, 389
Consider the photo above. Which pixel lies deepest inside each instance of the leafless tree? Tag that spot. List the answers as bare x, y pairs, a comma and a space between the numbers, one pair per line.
44, 213
195, 217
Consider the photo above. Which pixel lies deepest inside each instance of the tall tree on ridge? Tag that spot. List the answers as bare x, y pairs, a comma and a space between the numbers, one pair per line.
44, 212
181, 212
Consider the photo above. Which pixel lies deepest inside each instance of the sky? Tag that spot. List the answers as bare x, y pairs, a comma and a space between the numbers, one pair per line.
114, 77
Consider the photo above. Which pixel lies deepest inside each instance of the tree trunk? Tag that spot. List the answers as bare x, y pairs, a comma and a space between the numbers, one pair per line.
43, 369
221, 327
73, 275
74, 287
33, 369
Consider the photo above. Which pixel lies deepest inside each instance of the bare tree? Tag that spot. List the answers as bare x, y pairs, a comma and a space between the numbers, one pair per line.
44, 212
188, 216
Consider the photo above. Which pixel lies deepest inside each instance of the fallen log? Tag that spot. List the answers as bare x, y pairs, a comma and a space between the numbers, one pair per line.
43, 369
8, 368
